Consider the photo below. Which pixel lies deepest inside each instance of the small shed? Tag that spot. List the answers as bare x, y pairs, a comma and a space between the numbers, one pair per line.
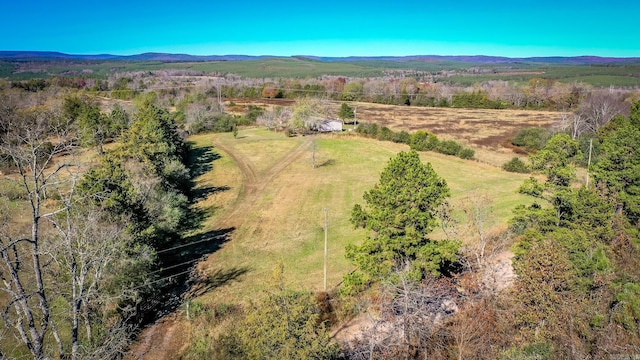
330, 125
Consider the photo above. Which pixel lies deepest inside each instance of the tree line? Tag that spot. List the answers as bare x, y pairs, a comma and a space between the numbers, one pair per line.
83, 243
401, 89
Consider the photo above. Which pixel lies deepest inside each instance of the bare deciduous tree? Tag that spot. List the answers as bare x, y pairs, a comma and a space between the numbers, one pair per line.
409, 317
472, 331
55, 254
276, 118
34, 144
478, 212
596, 110
89, 249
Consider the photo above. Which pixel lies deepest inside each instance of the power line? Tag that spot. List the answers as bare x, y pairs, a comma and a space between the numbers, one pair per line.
161, 279
191, 243
174, 266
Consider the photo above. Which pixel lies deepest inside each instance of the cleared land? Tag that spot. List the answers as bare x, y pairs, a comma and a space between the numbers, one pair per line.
263, 192
278, 213
488, 131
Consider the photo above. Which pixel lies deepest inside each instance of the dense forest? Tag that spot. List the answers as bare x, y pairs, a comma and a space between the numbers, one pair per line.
98, 195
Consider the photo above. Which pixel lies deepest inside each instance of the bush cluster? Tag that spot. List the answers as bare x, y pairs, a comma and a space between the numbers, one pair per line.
516, 165
532, 138
221, 122
419, 141
424, 141
372, 130
476, 100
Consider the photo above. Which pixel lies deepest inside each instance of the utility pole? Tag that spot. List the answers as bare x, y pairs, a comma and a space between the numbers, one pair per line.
355, 117
589, 161
326, 240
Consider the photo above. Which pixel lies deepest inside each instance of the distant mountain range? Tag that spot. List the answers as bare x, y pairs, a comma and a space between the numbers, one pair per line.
168, 57
487, 59
52, 55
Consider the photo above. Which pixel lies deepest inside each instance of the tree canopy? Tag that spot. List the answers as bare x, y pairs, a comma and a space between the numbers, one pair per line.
618, 167
346, 112
400, 212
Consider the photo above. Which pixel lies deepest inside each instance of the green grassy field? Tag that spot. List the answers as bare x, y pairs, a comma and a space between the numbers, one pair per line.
285, 222
287, 68
6, 69
614, 75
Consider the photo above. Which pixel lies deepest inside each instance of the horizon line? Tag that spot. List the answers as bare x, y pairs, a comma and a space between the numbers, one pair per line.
18, 52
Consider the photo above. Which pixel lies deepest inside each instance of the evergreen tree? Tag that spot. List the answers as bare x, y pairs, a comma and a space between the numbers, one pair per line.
400, 212
618, 167
346, 112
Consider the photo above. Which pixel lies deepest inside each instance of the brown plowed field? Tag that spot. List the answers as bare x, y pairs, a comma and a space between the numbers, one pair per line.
483, 128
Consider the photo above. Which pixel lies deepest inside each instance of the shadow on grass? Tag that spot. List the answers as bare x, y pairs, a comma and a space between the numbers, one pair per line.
218, 278
176, 276
193, 248
329, 162
202, 193
200, 159
200, 162
176, 273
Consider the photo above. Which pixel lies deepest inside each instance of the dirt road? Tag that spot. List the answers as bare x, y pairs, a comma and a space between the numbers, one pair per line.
254, 182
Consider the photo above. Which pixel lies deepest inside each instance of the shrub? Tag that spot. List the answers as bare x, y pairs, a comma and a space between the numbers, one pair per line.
443, 102
370, 130
516, 165
385, 134
533, 138
124, 94
402, 137
284, 324
13, 191
253, 113
449, 147
466, 153
423, 141
629, 312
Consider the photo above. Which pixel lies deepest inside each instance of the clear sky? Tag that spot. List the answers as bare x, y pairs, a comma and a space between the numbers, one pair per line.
517, 28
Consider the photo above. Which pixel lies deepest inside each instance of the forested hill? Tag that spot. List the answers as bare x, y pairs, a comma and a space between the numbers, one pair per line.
483, 59
51, 55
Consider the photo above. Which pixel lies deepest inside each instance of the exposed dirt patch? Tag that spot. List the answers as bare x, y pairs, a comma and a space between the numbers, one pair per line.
499, 273
162, 340
353, 329
496, 276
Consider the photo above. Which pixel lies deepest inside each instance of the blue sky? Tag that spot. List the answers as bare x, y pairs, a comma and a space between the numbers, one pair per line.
324, 28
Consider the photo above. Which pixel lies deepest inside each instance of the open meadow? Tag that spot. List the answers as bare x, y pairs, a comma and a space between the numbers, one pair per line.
274, 200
